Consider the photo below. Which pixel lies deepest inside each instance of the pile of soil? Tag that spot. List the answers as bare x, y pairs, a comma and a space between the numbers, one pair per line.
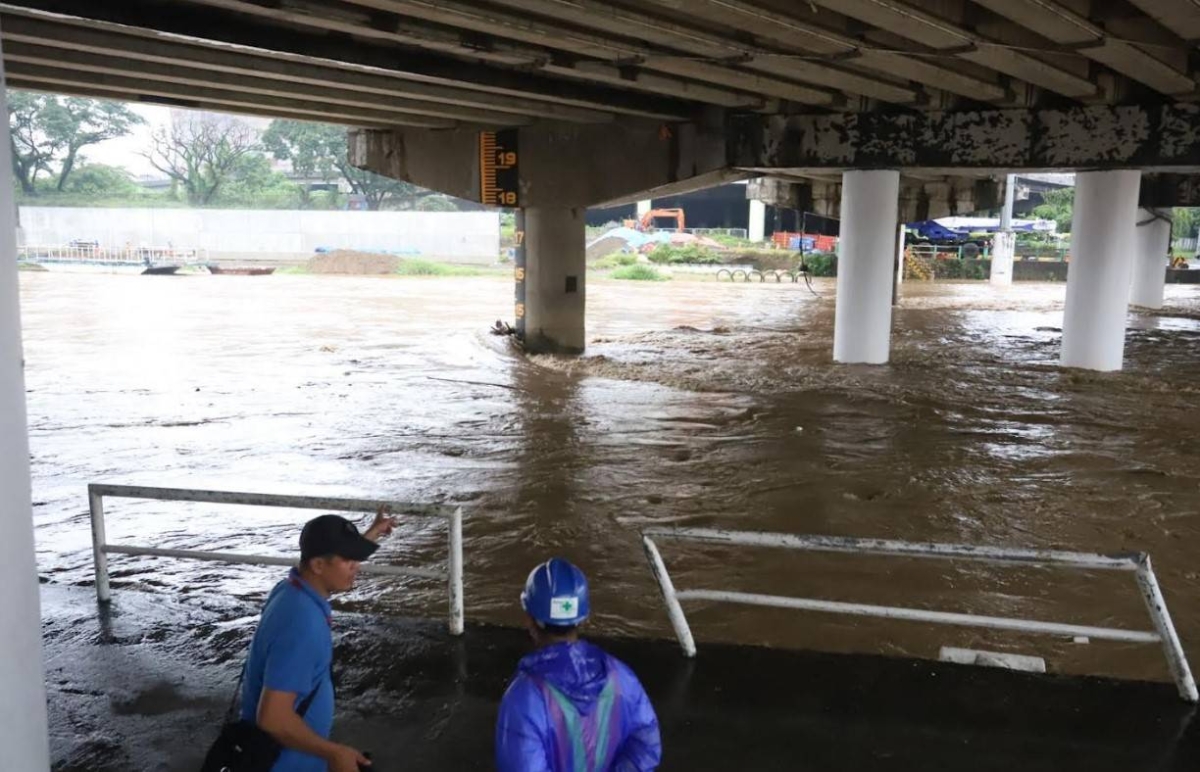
349, 261
604, 247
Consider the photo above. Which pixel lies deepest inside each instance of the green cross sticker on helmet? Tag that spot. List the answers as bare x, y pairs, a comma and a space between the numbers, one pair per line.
563, 608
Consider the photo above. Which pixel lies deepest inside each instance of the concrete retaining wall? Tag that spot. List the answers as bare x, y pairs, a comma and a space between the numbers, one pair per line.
1190, 276
1030, 270
465, 237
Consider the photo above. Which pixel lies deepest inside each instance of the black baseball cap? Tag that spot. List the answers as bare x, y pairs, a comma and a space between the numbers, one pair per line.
334, 535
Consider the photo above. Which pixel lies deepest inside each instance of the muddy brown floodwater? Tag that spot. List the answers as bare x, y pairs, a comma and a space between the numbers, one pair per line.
697, 404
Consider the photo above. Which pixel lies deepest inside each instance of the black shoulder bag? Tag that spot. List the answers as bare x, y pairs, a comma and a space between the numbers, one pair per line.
243, 746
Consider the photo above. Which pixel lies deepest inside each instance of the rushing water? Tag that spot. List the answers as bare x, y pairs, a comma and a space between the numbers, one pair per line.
697, 404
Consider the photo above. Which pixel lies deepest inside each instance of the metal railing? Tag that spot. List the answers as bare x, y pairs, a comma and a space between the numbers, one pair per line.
92, 253
1139, 563
101, 549
737, 233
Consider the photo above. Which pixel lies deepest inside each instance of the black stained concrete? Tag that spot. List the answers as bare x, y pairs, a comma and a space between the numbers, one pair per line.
143, 685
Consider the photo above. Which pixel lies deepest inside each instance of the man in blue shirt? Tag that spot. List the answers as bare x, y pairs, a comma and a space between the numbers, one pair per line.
288, 688
572, 707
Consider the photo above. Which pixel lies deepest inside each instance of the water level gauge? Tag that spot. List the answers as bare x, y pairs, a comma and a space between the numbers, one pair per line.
499, 178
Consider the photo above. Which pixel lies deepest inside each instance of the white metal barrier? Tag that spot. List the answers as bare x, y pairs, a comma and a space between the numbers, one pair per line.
131, 255
1139, 563
101, 548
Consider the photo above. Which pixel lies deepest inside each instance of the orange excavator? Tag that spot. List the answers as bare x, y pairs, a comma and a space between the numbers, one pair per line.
647, 220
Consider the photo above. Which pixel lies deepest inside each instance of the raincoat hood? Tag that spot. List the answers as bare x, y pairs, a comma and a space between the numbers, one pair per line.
579, 670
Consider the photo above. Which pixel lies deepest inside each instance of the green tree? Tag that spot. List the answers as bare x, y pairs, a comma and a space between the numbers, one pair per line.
100, 180
50, 131
253, 184
1185, 222
82, 122
319, 151
1057, 205
201, 152
33, 150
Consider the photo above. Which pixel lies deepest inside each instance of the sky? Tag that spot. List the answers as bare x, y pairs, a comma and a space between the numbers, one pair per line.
126, 151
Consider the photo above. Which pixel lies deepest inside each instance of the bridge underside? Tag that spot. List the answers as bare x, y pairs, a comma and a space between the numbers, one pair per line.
876, 110
660, 95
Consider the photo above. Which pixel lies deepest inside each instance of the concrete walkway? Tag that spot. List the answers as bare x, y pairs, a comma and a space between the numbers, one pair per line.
143, 687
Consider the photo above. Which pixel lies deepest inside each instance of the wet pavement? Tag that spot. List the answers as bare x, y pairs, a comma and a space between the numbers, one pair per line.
142, 687
697, 404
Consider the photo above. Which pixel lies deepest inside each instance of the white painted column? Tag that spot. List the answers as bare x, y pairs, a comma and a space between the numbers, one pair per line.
555, 274
862, 328
758, 221
1102, 247
1153, 254
643, 207
1004, 246
1004, 242
24, 735
901, 237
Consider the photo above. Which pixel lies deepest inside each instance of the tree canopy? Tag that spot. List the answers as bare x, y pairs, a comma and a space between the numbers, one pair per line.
1057, 205
200, 152
49, 132
319, 151
210, 159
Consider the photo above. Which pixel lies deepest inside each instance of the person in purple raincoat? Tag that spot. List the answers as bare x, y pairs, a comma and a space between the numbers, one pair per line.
572, 707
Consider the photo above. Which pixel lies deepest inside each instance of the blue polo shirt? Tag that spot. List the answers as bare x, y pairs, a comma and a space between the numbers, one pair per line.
291, 652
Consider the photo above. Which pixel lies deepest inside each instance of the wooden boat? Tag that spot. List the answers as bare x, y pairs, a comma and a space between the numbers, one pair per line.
240, 270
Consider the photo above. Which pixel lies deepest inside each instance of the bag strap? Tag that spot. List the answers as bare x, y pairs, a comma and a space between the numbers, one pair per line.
301, 709
237, 690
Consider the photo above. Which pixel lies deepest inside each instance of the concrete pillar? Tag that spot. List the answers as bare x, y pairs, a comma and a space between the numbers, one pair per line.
862, 326
643, 207
1004, 243
555, 268
1010, 191
1102, 246
901, 237
758, 221
1004, 246
1153, 254
23, 728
